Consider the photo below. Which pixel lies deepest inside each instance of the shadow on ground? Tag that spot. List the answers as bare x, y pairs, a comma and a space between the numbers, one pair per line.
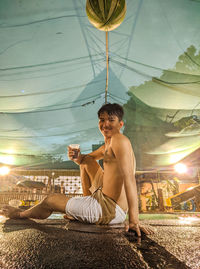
63, 244
153, 254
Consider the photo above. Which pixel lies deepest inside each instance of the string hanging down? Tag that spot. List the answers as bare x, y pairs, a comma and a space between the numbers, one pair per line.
106, 15
107, 68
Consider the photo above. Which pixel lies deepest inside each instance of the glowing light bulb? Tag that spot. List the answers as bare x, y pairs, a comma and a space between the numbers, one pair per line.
180, 168
4, 170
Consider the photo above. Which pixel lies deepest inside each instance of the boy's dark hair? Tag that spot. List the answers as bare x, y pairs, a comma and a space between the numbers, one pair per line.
112, 109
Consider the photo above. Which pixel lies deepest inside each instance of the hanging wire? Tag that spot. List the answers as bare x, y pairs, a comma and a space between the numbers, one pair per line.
107, 66
54, 107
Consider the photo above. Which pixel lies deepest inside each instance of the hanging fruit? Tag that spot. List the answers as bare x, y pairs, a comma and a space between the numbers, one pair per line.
106, 15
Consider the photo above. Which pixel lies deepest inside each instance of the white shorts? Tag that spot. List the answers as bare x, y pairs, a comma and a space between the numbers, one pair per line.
96, 208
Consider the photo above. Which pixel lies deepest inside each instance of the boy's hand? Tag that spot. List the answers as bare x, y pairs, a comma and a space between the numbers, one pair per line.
138, 229
71, 154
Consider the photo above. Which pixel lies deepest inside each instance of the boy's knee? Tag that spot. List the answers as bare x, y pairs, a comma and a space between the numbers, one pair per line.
47, 201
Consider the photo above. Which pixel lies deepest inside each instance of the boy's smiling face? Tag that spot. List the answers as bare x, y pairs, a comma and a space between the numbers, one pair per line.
109, 124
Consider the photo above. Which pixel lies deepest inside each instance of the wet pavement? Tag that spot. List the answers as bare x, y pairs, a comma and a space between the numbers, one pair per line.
57, 243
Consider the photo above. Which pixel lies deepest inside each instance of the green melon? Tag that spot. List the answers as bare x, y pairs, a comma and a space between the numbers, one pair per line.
106, 15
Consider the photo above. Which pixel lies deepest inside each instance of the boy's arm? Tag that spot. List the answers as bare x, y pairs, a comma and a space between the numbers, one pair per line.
124, 155
97, 155
122, 149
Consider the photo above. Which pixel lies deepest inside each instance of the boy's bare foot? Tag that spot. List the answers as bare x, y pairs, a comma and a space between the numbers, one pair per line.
68, 217
10, 212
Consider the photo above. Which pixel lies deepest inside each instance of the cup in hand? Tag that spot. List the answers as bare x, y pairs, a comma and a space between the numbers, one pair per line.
75, 148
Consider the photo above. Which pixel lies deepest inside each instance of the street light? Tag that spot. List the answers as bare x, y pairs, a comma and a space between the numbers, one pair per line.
4, 170
180, 168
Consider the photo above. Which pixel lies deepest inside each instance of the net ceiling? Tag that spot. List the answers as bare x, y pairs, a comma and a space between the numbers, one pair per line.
53, 79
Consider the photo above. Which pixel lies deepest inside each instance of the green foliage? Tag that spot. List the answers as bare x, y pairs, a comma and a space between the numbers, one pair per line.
189, 61
184, 122
147, 126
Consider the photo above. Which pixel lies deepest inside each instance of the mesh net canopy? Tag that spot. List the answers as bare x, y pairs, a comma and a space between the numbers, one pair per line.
53, 79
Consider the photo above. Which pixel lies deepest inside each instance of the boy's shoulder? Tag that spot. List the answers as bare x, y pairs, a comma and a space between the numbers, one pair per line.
120, 138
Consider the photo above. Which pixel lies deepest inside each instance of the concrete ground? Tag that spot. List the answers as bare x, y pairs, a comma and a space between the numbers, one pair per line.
57, 243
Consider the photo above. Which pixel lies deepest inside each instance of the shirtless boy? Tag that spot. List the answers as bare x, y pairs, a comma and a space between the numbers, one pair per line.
108, 194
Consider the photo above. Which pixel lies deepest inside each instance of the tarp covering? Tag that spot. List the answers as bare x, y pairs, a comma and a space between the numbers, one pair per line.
53, 78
